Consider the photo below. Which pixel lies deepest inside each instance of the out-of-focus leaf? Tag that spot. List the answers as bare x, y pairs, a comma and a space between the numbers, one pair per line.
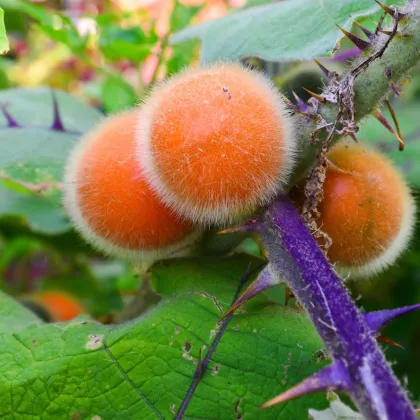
409, 119
285, 31
41, 214
117, 94
119, 43
144, 368
4, 42
181, 56
56, 25
33, 153
181, 16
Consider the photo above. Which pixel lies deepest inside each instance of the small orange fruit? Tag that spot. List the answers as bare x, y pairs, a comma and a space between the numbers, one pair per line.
107, 198
216, 142
58, 305
367, 210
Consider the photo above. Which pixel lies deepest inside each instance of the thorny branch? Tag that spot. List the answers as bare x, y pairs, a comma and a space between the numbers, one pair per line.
359, 367
342, 93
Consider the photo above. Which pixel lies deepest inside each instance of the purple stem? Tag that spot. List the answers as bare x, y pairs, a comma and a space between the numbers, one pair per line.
340, 324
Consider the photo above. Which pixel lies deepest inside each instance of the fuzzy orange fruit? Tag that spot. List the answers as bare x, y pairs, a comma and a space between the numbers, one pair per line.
107, 198
216, 142
367, 210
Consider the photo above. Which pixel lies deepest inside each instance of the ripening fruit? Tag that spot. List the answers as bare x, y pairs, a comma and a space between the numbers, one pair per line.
109, 201
216, 142
54, 306
367, 210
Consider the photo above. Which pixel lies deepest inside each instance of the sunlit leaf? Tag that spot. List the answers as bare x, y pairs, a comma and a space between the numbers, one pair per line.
143, 369
284, 31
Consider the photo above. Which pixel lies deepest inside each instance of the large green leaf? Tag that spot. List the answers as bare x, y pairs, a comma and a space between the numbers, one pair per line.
143, 369
285, 31
32, 154
409, 119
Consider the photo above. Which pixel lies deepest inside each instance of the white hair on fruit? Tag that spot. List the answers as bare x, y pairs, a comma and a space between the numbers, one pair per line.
230, 210
102, 242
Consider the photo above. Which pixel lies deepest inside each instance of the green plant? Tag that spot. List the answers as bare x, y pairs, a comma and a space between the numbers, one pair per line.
180, 359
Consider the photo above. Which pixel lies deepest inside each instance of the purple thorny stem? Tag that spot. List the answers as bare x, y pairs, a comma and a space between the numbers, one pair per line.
359, 366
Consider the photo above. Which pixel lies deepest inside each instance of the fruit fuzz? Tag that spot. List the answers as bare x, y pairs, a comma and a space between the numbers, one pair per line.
109, 201
367, 210
216, 142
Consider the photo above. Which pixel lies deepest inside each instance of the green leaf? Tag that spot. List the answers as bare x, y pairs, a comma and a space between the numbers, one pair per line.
117, 94
14, 317
181, 16
285, 31
407, 161
33, 155
40, 214
58, 26
4, 42
143, 369
118, 43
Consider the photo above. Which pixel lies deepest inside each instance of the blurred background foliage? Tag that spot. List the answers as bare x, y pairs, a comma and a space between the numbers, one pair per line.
108, 53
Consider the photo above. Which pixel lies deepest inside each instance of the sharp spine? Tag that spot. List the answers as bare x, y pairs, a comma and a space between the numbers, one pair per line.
397, 125
378, 319
360, 43
11, 122
366, 31
302, 107
57, 124
319, 98
333, 377
391, 12
382, 119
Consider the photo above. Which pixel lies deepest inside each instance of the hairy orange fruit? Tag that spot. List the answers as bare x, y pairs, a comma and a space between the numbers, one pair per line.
216, 142
109, 201
367, 210
59, 306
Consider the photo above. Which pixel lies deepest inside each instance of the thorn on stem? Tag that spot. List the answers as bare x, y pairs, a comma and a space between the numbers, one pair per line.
302, 107
333, 377
265, 279
378, 319
329, 74
11, 122
57, 124
366, 31
382, 119
388, 75
360, 43
319, 98
251, 225
388, 340
397, 125
391, 12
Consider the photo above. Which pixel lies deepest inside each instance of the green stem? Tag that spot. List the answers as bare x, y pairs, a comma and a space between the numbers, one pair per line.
399, 59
